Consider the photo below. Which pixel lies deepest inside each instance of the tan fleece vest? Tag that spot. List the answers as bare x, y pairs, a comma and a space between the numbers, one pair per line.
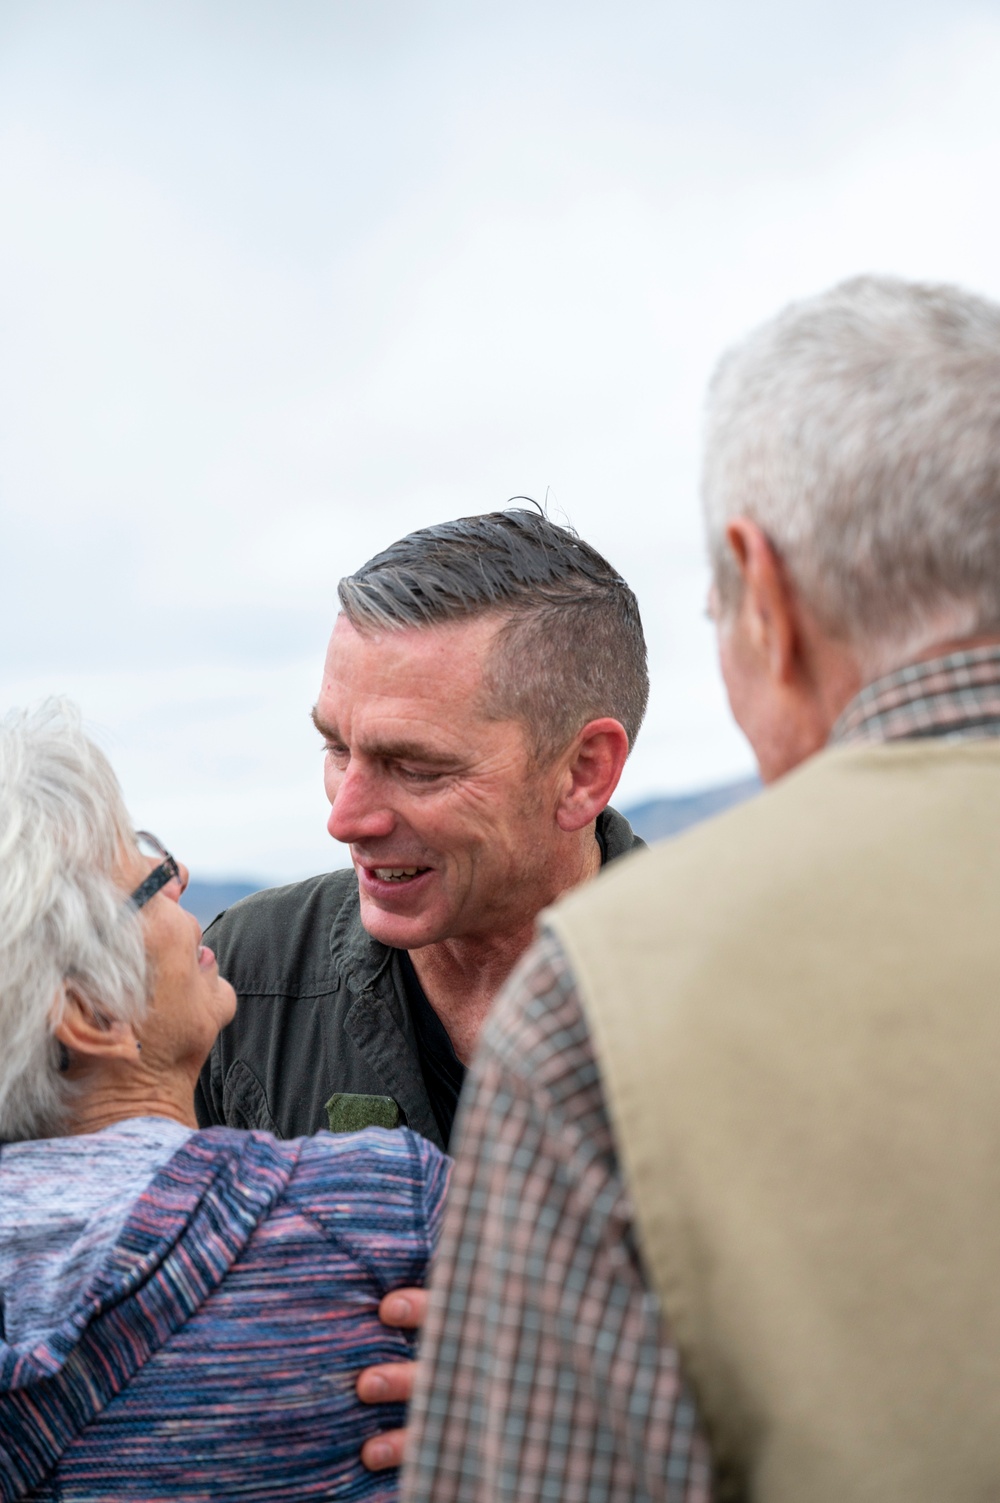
797, 1014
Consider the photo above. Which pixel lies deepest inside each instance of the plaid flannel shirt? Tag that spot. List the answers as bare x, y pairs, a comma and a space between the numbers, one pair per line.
549, 1369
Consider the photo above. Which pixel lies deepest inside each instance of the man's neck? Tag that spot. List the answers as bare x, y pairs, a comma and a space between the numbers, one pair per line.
461, 977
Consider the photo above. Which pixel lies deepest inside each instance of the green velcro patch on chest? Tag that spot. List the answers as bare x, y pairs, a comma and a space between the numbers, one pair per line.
346, 1112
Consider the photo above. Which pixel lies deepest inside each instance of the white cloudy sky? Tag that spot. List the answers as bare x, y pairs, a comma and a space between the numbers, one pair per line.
283, 279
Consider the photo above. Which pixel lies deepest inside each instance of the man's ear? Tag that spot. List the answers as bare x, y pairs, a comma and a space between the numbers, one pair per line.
88, 1036
592, 766
768, 604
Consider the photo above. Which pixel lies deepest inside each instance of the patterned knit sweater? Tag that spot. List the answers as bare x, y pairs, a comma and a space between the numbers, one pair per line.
215, 1351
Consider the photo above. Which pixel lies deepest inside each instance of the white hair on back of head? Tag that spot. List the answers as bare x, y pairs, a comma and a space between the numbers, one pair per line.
861, 431
63, 922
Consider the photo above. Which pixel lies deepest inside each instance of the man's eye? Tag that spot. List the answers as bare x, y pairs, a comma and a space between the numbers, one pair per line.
338, 753
415, 775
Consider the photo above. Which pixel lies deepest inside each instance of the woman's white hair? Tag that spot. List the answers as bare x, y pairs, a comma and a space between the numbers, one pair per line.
63, 922
861, 431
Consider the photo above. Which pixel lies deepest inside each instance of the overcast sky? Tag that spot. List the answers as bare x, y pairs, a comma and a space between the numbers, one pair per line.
282, 281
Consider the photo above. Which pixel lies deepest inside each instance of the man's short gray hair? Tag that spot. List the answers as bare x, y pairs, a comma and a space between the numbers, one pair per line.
861, 430
570, 646
63, 922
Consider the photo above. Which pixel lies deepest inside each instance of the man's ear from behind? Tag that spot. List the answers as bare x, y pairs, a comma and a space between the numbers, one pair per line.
786, 675
767, 604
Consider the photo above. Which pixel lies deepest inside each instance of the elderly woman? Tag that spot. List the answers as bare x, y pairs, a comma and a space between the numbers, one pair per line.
183, 1312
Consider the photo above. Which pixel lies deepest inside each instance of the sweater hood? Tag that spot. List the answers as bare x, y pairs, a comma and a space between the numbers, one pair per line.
178, 1241
63, 1203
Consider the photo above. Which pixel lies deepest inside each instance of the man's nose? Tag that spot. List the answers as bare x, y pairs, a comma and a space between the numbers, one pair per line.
358, 808
178, 885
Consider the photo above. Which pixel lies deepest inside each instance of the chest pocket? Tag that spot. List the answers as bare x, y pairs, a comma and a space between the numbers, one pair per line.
347, 1112
244, 1103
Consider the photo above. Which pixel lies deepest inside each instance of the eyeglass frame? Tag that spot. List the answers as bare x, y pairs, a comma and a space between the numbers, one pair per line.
158, 878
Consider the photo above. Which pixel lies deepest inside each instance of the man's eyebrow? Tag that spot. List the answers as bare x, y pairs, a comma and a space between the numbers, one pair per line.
394, 751
324, 729
412, 751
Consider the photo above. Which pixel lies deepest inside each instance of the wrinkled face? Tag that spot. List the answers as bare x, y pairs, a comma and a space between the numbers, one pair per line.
450, 821
189, 1000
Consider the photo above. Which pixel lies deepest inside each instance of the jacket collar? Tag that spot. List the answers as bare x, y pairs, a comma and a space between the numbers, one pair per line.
616, 835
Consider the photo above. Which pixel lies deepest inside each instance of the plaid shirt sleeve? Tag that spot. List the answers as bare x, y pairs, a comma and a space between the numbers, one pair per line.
548, 1372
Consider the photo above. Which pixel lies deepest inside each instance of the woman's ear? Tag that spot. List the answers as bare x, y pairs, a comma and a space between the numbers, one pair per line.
592, 766
85, 1034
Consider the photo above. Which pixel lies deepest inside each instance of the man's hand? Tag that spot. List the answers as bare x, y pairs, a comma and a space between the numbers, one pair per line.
391, 1382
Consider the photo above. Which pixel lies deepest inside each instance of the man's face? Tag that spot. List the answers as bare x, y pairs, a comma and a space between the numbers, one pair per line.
449, 819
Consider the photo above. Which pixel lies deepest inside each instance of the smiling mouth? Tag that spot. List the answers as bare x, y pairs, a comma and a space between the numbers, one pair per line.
398, 873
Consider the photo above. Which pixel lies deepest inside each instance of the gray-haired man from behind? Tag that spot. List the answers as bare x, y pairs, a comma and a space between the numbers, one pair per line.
754, 1071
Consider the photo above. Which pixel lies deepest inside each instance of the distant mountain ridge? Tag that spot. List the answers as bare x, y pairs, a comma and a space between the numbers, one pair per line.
206, 900
653, 819
658, 818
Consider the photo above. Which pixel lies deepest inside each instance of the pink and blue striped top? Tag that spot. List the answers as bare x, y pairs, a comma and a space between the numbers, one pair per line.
214, 1352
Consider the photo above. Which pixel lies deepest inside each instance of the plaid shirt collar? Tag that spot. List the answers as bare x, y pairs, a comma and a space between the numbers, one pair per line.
956, 695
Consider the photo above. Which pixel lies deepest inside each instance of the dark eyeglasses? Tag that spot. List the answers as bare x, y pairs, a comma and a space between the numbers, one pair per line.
160, 875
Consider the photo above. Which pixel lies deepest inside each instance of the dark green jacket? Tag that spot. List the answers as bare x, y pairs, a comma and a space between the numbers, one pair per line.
322, 1009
